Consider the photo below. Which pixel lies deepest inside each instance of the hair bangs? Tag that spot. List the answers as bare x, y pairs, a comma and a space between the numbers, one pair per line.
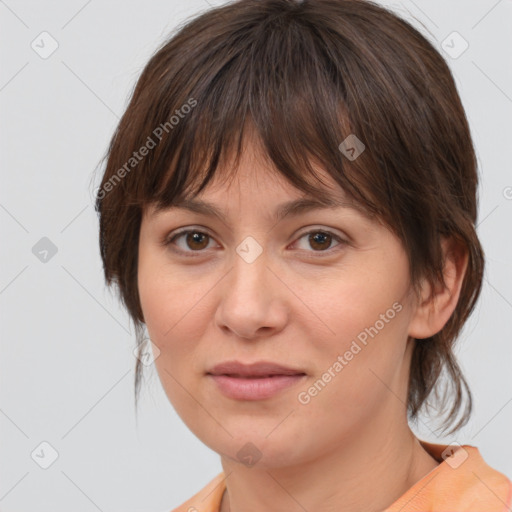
280, 94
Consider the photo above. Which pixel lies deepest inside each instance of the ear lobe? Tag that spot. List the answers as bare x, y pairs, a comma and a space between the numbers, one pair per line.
433, 310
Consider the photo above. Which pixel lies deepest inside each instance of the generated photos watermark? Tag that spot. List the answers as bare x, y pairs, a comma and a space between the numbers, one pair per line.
357, 345
151, 142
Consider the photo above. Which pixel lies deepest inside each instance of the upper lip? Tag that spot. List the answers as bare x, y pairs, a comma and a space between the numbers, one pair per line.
258, 369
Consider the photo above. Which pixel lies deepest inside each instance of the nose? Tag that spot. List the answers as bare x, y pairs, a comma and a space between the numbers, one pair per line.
253, 300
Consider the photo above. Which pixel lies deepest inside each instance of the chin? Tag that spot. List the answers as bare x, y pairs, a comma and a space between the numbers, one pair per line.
266, 449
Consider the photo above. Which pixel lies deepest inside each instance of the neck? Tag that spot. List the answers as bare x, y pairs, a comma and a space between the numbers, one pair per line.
366, 472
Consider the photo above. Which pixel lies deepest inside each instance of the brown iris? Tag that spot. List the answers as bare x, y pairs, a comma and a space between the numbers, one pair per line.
319, 239
198, 238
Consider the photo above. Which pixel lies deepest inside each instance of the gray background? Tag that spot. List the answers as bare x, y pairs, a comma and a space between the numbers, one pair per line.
67, 365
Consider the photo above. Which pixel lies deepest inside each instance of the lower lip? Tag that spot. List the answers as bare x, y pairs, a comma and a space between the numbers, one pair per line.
254, 388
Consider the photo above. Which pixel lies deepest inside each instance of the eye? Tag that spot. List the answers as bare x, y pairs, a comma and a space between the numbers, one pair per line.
195, 241
321, 240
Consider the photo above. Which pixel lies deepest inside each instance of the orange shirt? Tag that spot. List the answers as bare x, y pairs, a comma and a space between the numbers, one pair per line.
462, 482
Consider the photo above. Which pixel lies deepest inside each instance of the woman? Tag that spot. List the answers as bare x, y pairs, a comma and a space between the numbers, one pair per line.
288, 208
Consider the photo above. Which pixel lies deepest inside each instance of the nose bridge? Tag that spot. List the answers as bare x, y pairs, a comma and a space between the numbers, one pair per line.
248, 300
249, 250
249, 265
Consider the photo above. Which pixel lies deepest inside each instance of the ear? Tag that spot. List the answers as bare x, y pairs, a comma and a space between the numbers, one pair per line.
433, 310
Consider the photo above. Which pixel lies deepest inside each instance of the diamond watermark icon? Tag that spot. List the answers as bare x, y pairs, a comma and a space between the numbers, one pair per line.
454, 45
148, 353
249, 249
249, 454
44, 45
454, 455
352, 147
44, 455
44, 250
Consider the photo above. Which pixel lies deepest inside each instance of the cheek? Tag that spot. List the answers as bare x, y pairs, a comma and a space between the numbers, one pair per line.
361, 351
173, 305
168, 306
167, 296
171, 310
361, 303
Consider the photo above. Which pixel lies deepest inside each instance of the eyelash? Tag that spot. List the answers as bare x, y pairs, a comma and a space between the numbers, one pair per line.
170, 241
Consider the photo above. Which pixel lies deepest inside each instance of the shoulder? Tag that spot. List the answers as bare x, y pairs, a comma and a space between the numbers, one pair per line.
207, 499
463, 481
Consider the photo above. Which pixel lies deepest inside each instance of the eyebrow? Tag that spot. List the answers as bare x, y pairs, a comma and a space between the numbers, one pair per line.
290, 208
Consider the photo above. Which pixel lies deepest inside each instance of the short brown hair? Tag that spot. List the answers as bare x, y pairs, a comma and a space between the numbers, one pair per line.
305, 75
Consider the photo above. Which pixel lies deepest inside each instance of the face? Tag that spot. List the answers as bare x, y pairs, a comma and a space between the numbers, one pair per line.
323, 292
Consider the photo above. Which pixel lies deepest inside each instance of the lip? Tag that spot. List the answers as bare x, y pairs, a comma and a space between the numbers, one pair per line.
257, 369
255, 381
255, 388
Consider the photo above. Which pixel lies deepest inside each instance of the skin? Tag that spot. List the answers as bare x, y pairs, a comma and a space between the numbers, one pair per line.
350, 447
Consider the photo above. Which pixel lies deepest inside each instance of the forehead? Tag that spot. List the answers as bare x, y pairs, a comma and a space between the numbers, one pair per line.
226, 205
254, 183
282, 210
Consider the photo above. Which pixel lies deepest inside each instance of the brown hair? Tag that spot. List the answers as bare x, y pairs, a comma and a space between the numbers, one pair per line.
306, 74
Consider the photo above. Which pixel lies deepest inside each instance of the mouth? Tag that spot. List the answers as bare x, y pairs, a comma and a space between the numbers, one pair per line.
256, 381
269, 376
260, 369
